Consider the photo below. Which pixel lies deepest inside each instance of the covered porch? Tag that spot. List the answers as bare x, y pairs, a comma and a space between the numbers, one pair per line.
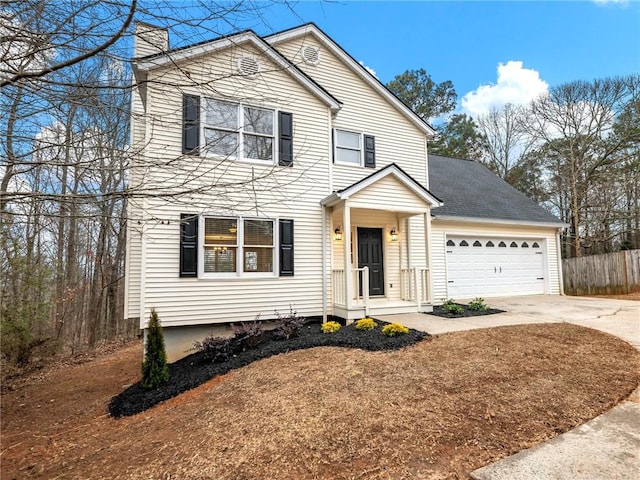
378, 260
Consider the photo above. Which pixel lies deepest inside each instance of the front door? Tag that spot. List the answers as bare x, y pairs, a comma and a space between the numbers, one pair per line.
370, 255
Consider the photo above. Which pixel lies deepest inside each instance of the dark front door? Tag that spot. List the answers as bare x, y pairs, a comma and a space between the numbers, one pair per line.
370, 255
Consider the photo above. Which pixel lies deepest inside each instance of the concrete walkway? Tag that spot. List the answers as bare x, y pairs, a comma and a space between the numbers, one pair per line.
607, 447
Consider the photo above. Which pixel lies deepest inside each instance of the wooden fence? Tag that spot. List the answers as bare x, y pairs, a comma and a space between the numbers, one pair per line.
608, 274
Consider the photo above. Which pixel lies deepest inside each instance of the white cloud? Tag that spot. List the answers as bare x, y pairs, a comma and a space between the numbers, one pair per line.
516, 85
368, 69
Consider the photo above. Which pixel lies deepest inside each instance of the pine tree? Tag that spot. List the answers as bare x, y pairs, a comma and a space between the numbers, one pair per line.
155, 370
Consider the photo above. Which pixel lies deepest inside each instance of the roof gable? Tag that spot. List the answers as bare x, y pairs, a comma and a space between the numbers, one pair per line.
392, 170
170, 57
471, 191
310, 29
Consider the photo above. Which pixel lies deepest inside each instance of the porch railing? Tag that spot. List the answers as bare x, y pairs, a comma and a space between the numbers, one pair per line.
414, 284
360, 277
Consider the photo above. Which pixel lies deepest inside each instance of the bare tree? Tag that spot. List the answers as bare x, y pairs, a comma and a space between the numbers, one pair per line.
576, 123
66, 85
506, 140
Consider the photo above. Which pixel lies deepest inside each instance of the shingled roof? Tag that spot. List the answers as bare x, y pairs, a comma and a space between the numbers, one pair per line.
470, 190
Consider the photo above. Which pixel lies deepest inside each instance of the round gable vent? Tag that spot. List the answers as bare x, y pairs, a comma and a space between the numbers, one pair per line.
310, 55
248, 66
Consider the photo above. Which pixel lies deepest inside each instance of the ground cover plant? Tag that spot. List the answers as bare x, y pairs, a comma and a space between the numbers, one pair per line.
438, 409
217, 356
453, 309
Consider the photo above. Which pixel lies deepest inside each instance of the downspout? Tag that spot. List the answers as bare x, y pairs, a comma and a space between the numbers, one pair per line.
559, 253
324, 264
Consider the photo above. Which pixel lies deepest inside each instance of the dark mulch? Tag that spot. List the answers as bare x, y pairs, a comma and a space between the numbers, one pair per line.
439, 312
194, 370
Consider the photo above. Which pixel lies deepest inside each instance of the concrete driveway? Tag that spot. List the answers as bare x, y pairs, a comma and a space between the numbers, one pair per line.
617, 317
607, 447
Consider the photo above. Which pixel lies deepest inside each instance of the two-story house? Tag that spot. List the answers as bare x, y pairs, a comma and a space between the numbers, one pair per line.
276, 172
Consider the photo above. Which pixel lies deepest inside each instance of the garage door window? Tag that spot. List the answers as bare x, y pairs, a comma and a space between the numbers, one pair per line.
451, 243
464, 243
502, 245
535, 245
525, 245
490, 244
513, 245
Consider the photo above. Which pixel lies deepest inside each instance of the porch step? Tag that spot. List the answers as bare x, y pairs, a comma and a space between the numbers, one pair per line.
380, 308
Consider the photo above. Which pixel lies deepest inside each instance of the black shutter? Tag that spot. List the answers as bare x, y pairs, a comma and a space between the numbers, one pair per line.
190, 124
333, 145
188, 245
286, 248
285, 129
370, 151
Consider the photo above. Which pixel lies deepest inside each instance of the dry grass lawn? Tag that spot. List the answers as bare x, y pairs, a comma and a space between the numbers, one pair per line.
439, 409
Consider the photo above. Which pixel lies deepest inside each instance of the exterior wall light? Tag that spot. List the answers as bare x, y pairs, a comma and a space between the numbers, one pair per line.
394, 235
338, 234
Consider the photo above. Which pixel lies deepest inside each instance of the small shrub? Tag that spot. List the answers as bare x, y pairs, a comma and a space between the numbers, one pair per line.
366, 324
248, 334
288, 326
452, 307
330, 327
155, 370
217, 349
393, 329
478, 305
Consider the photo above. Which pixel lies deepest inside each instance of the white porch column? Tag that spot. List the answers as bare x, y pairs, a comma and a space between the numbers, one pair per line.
346, 235
427, 252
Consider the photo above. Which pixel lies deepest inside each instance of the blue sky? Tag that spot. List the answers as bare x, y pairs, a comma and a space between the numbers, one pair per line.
465, 41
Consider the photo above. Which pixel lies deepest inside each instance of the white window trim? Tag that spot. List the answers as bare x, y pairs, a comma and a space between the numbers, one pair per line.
239, 273
335, 148
240, 131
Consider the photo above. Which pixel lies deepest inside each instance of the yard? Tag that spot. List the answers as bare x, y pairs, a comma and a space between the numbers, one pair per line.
439, 409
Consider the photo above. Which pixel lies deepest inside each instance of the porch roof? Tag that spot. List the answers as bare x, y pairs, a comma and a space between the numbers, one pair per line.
392, 170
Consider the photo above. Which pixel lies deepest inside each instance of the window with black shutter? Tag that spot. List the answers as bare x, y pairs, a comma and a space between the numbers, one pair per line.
188, 245
285, 129
190, 124
286, 248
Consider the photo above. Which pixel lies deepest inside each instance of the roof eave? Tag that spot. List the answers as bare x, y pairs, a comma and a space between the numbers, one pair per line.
146, 64
499, 221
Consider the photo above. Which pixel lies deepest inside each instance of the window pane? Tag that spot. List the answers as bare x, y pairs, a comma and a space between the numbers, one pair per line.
221, 143
258, 120
260, 148
258, 259
220, 231
347, 139
348, 156
219, 259
258, 232
221, 114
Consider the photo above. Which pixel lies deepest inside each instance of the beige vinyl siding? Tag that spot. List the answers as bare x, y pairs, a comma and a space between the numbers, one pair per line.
365, 111
133, 273
440, 230
388, 193
227, 189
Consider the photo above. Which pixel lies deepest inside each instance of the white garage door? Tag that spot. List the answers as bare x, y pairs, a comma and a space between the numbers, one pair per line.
491, 267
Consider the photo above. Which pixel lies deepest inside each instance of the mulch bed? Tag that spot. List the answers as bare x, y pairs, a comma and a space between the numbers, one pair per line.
194, 370
438, 311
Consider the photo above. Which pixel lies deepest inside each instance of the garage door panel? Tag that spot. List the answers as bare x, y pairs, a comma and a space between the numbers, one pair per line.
494, 267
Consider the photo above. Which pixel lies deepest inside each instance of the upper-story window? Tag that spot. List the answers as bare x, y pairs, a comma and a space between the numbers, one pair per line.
351, 148
240, 131
236, 131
